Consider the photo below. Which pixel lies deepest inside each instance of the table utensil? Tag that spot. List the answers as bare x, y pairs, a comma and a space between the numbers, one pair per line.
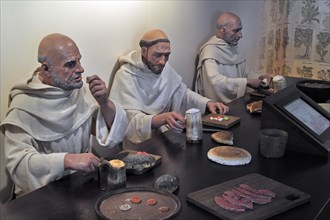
272, 142
108, 206
279, 83
111, 175
194, 126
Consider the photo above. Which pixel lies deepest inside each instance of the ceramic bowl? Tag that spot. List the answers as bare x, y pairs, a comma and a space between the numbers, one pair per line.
318, 90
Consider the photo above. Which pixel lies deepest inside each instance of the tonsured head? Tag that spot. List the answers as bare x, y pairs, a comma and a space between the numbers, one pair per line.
155, 49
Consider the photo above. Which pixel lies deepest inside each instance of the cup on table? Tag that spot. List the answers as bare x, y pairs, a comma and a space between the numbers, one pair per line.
272, 142
111, 175
194, 126
279, 83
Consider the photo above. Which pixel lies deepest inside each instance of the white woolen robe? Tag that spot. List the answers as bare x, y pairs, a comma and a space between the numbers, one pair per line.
144, 94
222, 72
44, 123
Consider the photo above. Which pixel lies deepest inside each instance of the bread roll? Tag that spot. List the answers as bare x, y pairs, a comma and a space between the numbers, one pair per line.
230, 156
223, 137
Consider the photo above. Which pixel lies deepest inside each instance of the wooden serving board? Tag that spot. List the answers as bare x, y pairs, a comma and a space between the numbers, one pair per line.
206, 119
286, 198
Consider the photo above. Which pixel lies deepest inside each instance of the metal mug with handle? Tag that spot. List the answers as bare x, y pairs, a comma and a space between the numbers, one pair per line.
111, 175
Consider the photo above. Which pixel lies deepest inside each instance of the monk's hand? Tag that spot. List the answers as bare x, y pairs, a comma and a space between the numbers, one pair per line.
98, 89
266, 81
85, 162
253, 83
214, 106
268, 77
172, 120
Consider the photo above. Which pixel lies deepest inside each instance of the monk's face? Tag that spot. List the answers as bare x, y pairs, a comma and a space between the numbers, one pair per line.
157, 56
66, 70
232, 32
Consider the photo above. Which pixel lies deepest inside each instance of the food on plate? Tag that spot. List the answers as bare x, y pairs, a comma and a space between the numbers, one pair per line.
125, 207
136, 199
151, 202
231, 156
233, 200
254, 107
265, 87
164, 209
260, 191
141, 153
116, 163
253, 199
220, 201
223, 137
220, 118
136, 163
241, 198
167, 183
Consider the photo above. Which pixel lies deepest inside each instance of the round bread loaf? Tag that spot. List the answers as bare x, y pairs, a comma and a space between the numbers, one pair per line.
223, 137
230, 156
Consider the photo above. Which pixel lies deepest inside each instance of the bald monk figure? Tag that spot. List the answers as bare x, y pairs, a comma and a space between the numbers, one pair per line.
152, 92
222, 72
52, 114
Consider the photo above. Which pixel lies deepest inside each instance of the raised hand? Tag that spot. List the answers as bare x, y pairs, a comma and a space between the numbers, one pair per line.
98, 89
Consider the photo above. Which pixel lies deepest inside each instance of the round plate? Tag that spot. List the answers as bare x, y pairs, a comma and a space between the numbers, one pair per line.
108, 206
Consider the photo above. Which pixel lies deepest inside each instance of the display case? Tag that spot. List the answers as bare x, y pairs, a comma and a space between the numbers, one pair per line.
307, 123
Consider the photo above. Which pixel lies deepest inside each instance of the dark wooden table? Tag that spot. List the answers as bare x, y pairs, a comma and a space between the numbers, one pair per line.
74, 196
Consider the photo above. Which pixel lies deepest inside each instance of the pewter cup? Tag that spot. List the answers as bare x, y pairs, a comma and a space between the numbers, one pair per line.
272, 142
279, 83
194, 126
111, 175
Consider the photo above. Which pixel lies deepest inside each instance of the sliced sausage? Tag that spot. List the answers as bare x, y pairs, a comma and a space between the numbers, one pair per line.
258, 191
237, 202
226, 205
253, 199
136, 199
151, 201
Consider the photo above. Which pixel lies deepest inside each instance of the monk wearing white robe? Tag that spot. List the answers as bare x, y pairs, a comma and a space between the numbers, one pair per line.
152, 92
52, 114
222, 72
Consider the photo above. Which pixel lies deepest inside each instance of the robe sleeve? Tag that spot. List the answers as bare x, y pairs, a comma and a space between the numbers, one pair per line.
117, 131
249, 73
28, 168
139, 127
194, 100
221, 87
